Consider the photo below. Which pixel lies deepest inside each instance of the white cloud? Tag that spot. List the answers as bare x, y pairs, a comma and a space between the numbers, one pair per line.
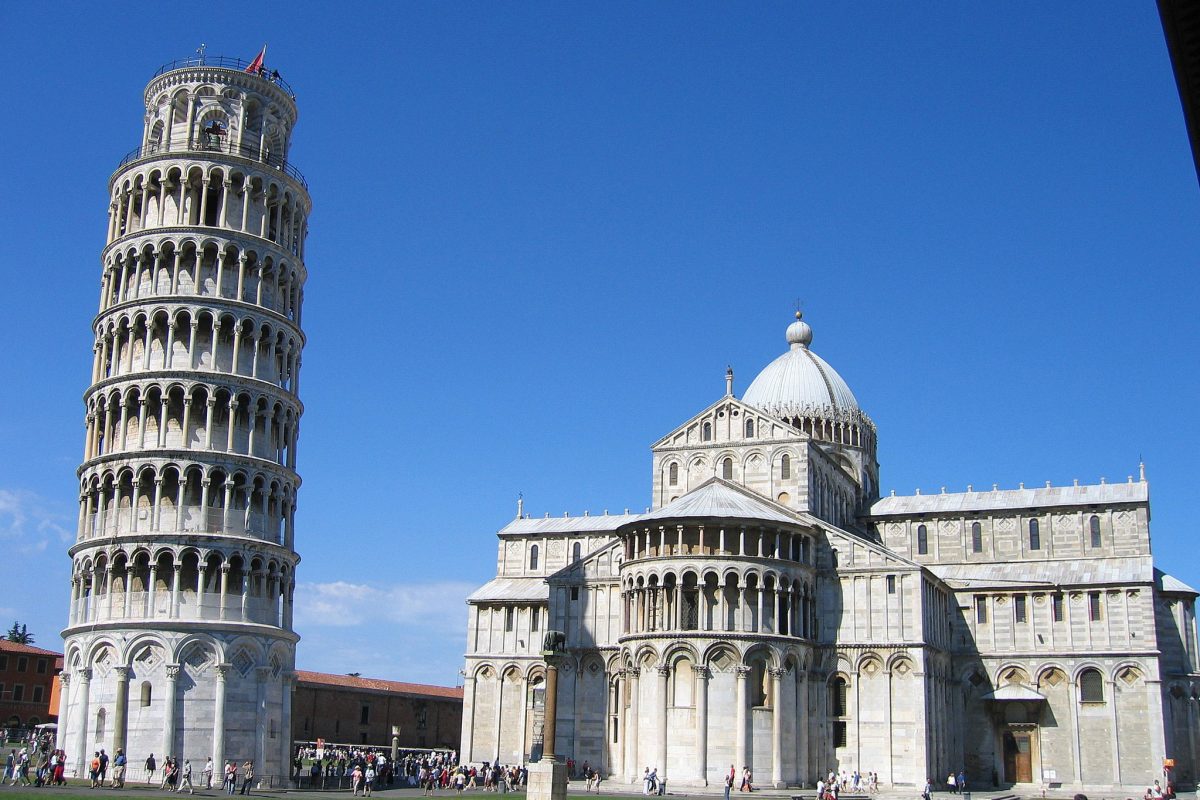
29, 523
405, 631
344, 604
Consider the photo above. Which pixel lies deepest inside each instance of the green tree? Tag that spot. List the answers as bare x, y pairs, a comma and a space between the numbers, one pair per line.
19, 633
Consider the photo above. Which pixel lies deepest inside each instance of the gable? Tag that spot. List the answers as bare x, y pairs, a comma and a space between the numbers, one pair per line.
727, 420
603, 563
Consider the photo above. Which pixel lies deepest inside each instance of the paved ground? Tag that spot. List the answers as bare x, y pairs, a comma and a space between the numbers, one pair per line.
576, 792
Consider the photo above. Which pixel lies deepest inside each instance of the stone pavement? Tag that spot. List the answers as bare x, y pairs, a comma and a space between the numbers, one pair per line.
141, 791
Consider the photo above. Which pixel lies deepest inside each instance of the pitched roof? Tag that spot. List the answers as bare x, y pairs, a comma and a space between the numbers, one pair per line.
1042, 497
1169, 583
1058, 572
14, 647
720, 500
511, 589
378, 685
601, 523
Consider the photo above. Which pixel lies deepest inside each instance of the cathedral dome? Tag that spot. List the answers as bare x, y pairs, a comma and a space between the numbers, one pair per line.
800, 383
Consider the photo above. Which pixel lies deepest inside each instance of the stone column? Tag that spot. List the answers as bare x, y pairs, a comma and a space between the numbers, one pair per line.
85, 686
218, 745
777, 728
739, 741
1154, 705
64, 709
664, 674
285, 721
467, 744
168, 740
802, 721
551, 718
631, 727
701, 722
262, 674
120, 709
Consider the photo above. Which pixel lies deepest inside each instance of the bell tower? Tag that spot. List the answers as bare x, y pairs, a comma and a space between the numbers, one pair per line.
180, 640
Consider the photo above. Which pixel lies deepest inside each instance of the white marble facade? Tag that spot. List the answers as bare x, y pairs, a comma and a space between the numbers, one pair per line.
771, 611
180, 638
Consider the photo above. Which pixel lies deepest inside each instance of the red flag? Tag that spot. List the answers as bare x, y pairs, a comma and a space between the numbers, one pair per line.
257, 64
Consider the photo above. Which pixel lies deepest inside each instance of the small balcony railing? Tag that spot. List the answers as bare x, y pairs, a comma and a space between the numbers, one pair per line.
224, 62
212, 143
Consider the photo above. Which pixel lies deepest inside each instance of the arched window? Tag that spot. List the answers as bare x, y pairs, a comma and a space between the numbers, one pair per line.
673, 474
727, 469
785, 467
682, 683
759, 694
706, 432
1091, 686
976, 537
533, 557
147, 693
576, 551
837, 710
1035, 535
749, 429
922, 540
100, 717
1094, 525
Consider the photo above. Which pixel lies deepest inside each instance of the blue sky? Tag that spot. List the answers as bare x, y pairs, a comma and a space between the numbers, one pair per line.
541, 231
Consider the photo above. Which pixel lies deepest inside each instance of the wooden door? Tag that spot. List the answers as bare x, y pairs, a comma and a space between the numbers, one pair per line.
1018, 757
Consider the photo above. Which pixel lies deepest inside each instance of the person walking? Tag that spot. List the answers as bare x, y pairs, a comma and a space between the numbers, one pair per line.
119, 763
207, 773
150, 767
185, 777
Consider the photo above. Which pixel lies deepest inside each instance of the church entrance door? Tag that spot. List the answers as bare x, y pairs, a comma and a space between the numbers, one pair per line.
1018, 756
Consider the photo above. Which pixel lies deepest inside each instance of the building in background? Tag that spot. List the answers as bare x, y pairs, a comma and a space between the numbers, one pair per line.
180, 635
27, 678
770, 610
347, 709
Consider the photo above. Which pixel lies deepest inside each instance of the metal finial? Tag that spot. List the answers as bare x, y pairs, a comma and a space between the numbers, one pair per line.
200, 51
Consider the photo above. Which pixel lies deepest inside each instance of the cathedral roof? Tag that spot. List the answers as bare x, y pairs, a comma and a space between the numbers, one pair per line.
511, 590
1169, 583
799, 382
999, 499
716, 499
600, 523
1058, 572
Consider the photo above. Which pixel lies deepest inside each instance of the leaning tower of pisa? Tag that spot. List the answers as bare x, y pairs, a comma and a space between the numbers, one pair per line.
180, 636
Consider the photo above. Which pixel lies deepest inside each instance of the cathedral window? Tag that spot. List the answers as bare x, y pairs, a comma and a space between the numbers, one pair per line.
574, 592
533, 557
509, 614
976, 537
837, 710
1019, 608
1094, 606
981, 614
1094, 525
576, 551
147, 692
1035, 535
673, 473
535, 618
1056, 606
727, 469
785, 467
891, 584
749, 429
1091, 686
922, 540
706, 432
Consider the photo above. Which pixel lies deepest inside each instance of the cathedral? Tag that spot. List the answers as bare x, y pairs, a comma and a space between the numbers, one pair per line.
770, 610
